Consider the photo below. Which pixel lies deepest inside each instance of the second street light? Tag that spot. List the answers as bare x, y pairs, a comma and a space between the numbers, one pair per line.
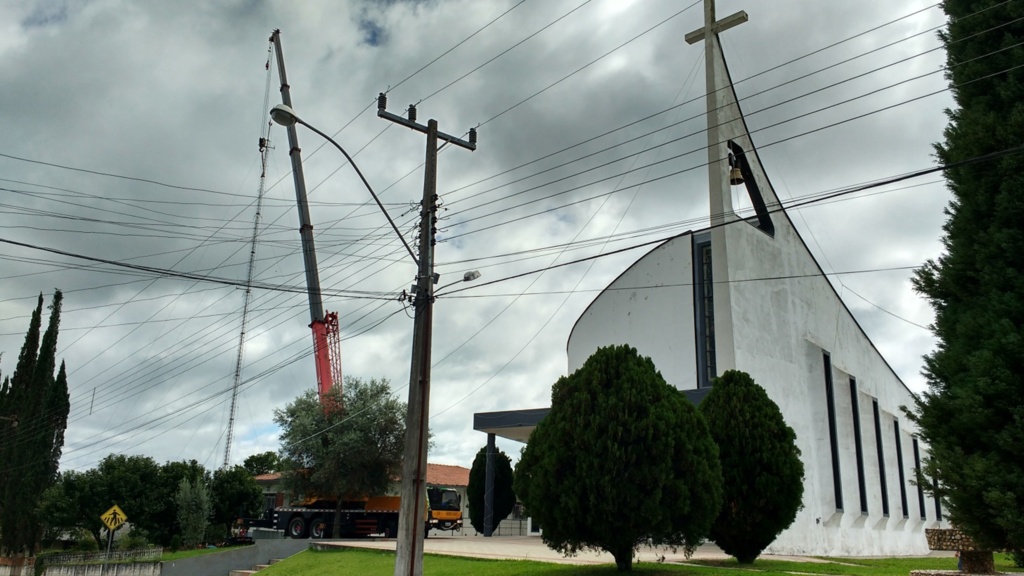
412, 514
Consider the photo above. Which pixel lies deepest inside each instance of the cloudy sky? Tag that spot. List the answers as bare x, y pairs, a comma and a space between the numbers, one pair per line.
129, 138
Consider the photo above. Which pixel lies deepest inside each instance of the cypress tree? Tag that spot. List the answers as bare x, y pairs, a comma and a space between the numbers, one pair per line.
971, 415
504, 496
31, 451
621, 460
761, 468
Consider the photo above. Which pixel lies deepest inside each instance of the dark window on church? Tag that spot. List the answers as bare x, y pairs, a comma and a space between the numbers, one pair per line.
858, 444
881, 459
704, 309
833, 435
899, 466
920, 488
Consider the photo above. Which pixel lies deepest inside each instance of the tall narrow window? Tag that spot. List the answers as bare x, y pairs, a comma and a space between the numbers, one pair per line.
881, 459
899, 467
833, 436
920, 488
858, 444
704, 310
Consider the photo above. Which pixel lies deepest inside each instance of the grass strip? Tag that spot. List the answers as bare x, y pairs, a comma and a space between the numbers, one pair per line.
382, 563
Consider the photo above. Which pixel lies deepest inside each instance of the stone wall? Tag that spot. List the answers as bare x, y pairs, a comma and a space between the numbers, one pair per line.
973, 558
949, 539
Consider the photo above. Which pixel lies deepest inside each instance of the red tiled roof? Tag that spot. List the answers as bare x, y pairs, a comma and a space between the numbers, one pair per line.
445, 475
271, 477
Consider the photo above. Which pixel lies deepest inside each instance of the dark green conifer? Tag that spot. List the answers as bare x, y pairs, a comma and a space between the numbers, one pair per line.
972, 416
504, 495
38, 403
761, 468
621, 460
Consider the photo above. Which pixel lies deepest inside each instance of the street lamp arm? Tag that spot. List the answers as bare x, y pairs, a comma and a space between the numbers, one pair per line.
368, 187
285, 116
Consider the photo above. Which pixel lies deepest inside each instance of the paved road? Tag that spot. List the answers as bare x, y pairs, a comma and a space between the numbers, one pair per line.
532, 548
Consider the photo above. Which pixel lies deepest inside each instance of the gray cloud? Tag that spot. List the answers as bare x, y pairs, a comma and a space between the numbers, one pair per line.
174, 95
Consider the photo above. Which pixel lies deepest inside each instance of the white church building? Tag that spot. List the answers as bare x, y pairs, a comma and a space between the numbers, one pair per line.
746, 293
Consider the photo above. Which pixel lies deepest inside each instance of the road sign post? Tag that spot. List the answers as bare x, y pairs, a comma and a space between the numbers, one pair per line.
112, 519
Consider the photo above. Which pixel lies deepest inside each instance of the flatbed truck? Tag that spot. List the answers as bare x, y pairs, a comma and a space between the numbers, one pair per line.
364, 517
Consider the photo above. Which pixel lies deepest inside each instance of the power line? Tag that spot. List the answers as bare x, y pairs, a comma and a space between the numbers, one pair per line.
648, 117
763, 146
503, 52
165, 273
843, 192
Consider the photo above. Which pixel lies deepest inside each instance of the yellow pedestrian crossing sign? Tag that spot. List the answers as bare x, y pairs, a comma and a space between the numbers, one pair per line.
113, 518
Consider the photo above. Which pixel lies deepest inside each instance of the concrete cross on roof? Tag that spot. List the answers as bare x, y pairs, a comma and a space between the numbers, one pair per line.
715, 26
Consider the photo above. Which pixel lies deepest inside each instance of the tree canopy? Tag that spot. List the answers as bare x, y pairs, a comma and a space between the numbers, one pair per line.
262, 463
147, 492
763, 477
350, 450
235, 493
622, 459
504, 495
34, 408
970, 417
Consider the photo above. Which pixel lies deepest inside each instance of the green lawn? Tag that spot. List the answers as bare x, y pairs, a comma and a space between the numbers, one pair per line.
374, 563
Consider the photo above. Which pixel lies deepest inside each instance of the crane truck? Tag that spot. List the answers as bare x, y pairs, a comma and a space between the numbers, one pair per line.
314, 518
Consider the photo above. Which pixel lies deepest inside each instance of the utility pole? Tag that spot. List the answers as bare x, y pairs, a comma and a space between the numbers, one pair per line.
412, 514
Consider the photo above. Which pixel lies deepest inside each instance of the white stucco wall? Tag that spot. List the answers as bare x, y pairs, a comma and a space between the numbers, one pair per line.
649, 307
785, 315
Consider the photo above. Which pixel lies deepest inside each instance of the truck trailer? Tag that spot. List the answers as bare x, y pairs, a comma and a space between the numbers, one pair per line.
362, 517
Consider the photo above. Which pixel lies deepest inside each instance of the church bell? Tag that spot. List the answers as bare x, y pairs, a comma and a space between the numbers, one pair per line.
735, 176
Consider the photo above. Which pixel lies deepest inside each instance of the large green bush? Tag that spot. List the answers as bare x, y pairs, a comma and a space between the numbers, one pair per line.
763, 476
622, 459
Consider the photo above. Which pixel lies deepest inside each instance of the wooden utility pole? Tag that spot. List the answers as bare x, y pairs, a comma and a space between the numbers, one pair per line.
412, 514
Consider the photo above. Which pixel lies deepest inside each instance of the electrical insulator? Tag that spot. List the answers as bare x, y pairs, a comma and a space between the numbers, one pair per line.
412, 112
472, 135
382, 101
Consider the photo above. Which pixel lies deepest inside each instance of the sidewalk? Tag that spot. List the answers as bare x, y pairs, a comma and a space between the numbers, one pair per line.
532, 548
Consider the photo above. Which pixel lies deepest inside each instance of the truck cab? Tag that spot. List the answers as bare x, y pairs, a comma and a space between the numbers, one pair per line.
444, 509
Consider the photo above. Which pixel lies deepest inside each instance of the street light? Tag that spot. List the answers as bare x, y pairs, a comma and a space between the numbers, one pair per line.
467, 277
